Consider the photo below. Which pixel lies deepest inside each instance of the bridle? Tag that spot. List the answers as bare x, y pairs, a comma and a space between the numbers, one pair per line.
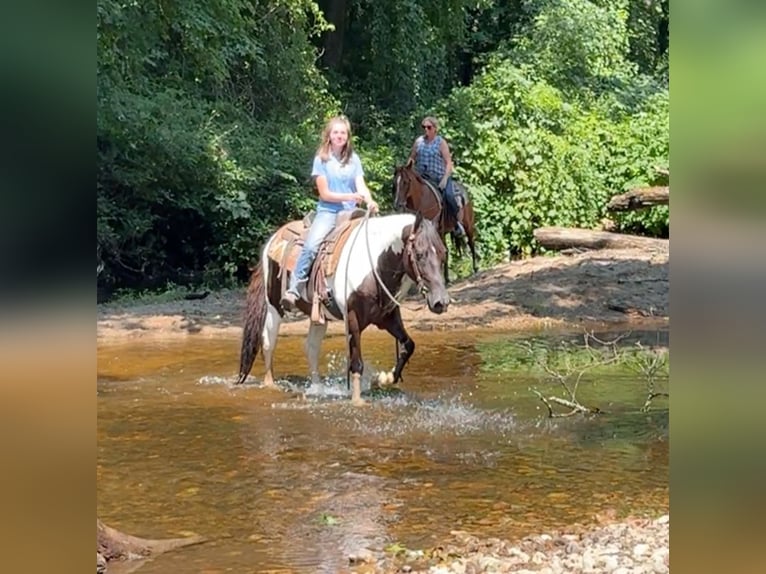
412, 259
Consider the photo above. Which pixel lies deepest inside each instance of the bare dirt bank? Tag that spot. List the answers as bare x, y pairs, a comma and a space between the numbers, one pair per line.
596, 289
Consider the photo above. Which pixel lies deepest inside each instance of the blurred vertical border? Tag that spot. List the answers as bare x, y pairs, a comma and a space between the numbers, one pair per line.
718, 284
47, 329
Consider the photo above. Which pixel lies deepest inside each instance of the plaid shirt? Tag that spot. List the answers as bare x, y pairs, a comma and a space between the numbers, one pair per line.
429, 161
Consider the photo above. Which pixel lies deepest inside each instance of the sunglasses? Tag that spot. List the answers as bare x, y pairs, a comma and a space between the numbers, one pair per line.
426, 127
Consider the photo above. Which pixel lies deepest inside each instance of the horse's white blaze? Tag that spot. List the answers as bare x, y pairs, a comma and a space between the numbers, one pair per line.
362, 249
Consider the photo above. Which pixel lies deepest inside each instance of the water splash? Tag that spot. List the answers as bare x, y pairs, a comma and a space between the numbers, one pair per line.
402, 414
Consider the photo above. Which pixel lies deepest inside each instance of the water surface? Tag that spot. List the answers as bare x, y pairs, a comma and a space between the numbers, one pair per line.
296, 480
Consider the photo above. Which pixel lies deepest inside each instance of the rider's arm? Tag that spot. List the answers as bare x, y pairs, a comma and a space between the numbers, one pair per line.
330, 196
413, 153
364, 191
444, 149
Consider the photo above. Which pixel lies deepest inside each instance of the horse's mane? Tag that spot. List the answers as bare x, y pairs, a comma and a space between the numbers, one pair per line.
413, 174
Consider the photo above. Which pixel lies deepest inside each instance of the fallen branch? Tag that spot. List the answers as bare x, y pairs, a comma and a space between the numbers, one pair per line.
112, 544
574, 406
652, 395
572, 372
560, 238
639, 197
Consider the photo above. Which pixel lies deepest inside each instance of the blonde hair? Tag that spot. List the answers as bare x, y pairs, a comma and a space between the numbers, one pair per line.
323, 151
433, 121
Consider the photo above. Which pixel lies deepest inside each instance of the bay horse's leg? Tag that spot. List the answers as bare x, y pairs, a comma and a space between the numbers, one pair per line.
406, 346
470, 232
270, 332
355, 363
313, 346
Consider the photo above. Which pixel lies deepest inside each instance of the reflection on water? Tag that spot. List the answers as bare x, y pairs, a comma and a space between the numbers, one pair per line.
296, 479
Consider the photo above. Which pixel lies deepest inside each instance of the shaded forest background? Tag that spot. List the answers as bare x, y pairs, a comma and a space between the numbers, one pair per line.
209, 111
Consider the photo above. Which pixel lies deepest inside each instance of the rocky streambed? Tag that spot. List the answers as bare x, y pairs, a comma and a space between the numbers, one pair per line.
632, 546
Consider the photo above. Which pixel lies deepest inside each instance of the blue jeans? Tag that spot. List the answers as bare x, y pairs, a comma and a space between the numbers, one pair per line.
323, 224
449, 194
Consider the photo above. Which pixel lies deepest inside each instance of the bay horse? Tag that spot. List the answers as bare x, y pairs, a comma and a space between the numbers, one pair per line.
381, 257
413, 193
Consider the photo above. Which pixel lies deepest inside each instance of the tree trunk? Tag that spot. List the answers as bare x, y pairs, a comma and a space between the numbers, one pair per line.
569, 237
335, 13
112, 544
639, 197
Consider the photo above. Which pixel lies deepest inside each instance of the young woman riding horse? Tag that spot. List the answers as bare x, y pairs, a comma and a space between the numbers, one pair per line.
382, 256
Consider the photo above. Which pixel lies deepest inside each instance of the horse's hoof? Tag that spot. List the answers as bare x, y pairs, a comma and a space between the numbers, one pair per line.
385, 379
359, 402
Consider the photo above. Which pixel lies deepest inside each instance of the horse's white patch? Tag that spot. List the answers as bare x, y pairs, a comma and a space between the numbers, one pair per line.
265, 265
365, 244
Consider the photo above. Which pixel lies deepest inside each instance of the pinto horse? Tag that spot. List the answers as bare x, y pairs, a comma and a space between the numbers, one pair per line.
381, 257
413, 193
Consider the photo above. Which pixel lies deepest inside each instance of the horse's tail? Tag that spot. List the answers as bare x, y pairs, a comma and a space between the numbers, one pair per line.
255, 318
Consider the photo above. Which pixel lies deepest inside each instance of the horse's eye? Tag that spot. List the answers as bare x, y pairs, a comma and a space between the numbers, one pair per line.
420, 256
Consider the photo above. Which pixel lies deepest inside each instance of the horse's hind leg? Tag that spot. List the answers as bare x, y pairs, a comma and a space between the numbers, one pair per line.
472, 247
406, 346
270, 332
470, 233
313, 346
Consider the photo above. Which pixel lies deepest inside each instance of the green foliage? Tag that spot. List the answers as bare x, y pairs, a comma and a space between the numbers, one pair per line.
203, 141
534, 157
573, 43
400, 53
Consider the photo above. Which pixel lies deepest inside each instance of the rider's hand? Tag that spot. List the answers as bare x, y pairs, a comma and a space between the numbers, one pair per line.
373, 206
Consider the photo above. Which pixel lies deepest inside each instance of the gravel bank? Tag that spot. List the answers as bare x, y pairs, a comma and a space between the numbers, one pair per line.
633, 546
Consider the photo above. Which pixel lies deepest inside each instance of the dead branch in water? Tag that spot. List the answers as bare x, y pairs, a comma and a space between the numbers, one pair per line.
568, 364
570, 373
651, 364
111, 544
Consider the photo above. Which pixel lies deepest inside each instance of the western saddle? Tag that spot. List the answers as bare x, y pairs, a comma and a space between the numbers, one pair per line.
285, 249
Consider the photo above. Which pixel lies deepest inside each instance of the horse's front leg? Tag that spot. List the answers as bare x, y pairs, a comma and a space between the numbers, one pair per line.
405, 347
313, 347
355, 364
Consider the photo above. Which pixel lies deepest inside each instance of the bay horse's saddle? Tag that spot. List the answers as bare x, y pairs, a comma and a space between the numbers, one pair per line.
286, 246
461, 193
